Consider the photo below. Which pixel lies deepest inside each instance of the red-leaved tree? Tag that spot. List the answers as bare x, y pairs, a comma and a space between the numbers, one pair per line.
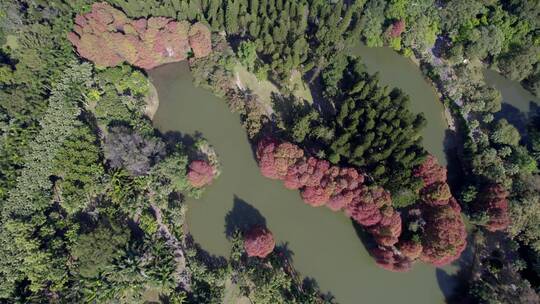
107, 37
200, 173
397, 28
430, 171
444, 236
258, 242
320, 183
494, 202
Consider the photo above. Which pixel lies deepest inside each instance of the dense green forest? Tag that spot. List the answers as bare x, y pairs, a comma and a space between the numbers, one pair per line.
93, 196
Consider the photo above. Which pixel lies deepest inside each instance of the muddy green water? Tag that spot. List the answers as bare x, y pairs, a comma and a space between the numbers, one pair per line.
324, 244
398, 71
517, 103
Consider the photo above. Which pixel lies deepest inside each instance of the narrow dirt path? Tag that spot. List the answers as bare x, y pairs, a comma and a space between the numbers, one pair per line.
181, 275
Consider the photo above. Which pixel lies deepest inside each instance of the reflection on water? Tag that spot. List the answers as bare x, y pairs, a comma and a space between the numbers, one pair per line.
323, 244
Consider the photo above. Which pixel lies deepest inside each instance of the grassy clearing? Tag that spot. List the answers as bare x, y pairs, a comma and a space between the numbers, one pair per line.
265, 88
232, 294
301, 89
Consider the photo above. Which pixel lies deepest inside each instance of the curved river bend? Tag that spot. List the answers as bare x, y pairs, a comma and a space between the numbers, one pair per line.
324, 244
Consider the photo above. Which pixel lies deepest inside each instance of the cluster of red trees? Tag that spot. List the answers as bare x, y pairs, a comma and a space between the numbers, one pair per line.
258, 242
322, 184
200, 173
108, 37
494, 202
444, 237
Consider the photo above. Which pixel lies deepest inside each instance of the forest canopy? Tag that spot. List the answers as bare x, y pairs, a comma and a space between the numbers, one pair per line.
93, 196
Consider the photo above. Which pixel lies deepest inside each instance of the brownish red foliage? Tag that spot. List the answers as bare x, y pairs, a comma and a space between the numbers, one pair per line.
430, 171
276, 158
437, 193
444, 237
391, 259
388, 230
494, 202
397, 28
337, 188
200, 173
366, 207
259, 242
410, 249
319, 182
200, 40
371, 207
107, 37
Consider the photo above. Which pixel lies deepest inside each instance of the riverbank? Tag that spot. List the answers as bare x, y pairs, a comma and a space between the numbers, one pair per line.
151, 101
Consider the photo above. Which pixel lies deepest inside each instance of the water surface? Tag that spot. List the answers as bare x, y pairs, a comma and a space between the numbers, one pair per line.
325, 246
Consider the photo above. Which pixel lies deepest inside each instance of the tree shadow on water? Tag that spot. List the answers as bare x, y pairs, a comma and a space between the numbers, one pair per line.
363, 236
284, 251
454, 286
514, 116
308, 285
172, 138
242, 217
211, 260
452, 145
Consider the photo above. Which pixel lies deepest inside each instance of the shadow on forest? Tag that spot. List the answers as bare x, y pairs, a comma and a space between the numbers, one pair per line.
242, 217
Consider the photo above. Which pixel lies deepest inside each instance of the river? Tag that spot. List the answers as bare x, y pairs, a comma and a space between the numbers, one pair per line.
324, 244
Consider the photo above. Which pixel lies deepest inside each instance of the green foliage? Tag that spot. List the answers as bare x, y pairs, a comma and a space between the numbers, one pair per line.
214, 72
94, 251
372, 23
505, 134
57, 125
269, 281
125, 80
24, 258
148, 223
78, 169
503, 33
247, 53
374, 129
208, 280
525, 211
170, 176
533, 129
